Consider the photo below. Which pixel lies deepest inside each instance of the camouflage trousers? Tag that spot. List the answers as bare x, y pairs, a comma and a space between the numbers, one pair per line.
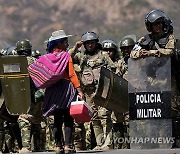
79, 136
101, 124
30, 127
13, 139
120, 129
50, 143
25, 126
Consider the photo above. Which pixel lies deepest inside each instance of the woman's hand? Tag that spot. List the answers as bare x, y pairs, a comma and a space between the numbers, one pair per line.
80, 93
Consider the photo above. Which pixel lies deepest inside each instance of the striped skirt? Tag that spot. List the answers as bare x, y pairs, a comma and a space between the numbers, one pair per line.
58, 96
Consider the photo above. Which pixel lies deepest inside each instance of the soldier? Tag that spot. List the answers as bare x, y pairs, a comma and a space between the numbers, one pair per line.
90, 62
79, 129
37, 131
29, 123
9, 128
161, 42
110, 47
126, 46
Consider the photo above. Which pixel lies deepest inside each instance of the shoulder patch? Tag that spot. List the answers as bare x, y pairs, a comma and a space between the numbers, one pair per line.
171, 42
141, 39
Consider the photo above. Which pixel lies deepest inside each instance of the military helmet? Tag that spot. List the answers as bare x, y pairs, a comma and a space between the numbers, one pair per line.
35, 53
88, 36
157, 16
24, 47
126, 42
109, 44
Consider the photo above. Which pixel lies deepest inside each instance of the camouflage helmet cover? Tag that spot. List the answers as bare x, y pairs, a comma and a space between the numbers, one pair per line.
127, 42
88, 36
109, 44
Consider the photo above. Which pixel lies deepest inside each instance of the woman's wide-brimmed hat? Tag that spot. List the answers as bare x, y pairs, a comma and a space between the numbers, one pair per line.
59, 34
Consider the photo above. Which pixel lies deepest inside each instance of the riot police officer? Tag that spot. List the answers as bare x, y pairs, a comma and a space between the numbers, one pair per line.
29, 123
126, 45
161, 42
9, 127
90, 61
111, 48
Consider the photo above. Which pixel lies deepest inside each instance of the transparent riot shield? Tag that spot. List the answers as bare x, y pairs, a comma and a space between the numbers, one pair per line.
149, 88
112, 92
15, 84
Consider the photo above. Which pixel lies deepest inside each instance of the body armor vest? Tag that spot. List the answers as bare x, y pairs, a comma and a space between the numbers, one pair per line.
148, 42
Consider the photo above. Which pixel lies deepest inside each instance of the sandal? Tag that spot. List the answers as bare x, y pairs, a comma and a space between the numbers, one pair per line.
69, 150
59, 150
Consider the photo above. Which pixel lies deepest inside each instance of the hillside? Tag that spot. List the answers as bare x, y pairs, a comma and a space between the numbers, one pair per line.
36, 19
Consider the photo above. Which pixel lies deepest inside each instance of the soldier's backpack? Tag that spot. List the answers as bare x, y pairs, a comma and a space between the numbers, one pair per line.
91, 71
90, 76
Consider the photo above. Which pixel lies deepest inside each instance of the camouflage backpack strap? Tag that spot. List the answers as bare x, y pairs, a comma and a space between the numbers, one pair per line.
83, 60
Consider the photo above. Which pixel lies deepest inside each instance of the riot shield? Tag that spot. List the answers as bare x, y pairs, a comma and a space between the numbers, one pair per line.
112, 92
15, 84
149, 88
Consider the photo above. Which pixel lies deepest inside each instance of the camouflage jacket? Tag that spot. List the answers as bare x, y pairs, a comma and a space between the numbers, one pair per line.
83, 61
160, 47
122, 68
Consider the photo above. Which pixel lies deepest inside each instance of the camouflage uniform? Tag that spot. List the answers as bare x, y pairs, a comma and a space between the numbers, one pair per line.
30, 122
126, 46
122, 69
25, 120
119, 128
79, 136
101, 120
79, 129
162, 46
121, 120
50, 143
9, 129
110, 48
